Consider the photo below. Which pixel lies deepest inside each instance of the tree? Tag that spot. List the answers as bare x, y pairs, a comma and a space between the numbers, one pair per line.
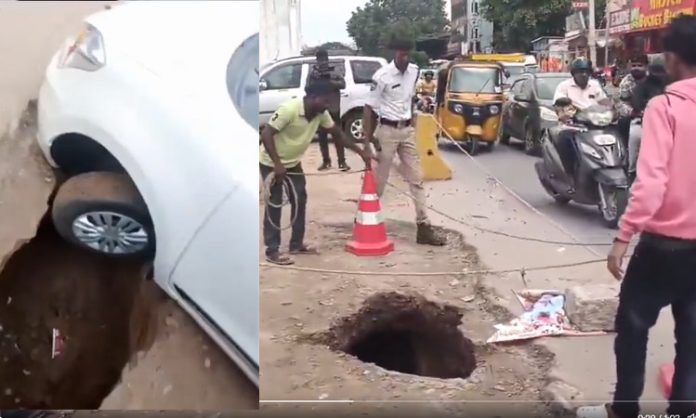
518, 22
371, 25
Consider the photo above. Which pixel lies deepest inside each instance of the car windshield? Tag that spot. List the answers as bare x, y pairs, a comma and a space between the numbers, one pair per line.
474, 80
546, 87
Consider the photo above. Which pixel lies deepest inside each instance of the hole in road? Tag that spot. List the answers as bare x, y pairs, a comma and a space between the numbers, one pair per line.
95, 302
407, 334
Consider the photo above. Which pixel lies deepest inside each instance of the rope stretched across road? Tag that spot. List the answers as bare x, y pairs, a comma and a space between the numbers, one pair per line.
521, 270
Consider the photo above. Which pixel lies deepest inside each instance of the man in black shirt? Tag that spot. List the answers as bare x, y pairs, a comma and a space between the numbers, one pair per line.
322, 70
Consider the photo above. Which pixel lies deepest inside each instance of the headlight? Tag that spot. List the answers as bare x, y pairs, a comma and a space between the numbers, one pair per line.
243, 80
548, 114
601, 118
604, 139
494, 109
589, 150
86, 52
458, 108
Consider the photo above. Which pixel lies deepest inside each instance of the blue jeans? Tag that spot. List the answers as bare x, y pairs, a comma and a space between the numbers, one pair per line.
661, 272
271, 234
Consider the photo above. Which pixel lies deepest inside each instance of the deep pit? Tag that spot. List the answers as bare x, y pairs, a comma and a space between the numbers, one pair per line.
97, 305
407, 334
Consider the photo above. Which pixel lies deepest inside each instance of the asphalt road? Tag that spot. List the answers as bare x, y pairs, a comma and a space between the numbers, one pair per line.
515, 169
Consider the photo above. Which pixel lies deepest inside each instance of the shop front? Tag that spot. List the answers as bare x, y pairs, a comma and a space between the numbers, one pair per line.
648, 20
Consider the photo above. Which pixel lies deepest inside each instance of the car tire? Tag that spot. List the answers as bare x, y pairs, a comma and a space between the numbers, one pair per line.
88, 203
531, 142
352, 124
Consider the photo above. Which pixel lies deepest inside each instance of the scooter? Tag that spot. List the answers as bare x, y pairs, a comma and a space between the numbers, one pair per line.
600, 176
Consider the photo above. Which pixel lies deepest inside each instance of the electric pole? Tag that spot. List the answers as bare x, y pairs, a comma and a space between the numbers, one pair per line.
591, 32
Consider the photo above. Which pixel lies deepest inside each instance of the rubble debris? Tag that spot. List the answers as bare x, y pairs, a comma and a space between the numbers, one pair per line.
592, 307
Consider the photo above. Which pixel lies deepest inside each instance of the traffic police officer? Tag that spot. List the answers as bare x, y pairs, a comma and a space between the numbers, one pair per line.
388, 115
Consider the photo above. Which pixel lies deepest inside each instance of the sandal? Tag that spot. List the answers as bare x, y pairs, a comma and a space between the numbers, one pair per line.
279, 259
304, 250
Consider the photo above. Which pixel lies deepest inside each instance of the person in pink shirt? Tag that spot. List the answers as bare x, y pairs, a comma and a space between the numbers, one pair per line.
662, 209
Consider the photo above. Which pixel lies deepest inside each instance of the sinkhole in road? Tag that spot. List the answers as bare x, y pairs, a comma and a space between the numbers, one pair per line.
97, 304
407, 333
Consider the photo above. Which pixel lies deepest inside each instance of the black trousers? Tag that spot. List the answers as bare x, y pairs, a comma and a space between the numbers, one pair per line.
624, 126
568, 152
661, 272
324, 143
271, 234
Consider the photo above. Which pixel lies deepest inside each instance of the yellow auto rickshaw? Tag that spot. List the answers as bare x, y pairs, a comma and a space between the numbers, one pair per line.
470, 104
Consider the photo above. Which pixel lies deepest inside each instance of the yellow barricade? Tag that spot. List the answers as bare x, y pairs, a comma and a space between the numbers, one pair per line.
433, 166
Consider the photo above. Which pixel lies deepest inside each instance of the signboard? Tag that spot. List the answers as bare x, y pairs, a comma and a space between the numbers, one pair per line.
656, 14
581, 5
619, 21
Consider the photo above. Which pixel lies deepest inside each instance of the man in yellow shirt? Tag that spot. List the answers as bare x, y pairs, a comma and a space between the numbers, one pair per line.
285, 139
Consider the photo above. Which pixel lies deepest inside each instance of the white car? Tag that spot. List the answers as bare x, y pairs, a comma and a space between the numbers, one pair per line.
146, 112
285, 79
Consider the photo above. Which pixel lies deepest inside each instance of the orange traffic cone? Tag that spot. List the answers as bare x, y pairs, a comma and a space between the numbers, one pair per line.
369, 232
666, 375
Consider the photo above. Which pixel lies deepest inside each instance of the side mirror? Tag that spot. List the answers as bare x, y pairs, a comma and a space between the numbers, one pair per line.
519, 97
507, 74
263, 85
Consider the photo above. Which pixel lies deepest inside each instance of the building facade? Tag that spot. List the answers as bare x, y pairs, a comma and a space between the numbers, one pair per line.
280, 30
471, 32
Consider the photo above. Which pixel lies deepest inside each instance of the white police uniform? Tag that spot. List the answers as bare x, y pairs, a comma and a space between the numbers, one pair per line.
391, 97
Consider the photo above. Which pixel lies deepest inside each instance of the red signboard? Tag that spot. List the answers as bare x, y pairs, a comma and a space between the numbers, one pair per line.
581, 5
656, 14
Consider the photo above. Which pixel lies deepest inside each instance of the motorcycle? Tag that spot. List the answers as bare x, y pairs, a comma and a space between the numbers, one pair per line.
601, 77
426, 104
600, 176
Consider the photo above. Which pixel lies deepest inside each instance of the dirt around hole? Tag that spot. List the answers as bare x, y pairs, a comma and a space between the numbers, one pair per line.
407, 334
97, 305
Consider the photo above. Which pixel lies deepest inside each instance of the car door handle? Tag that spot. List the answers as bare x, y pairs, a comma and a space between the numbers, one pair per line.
344, 94
293, 97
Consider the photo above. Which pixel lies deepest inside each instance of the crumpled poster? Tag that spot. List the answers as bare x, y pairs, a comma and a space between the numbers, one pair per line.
543, 315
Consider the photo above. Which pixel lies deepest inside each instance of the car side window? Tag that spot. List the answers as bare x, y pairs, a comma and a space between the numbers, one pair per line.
284, 77
527, 88
364, 70
517, 87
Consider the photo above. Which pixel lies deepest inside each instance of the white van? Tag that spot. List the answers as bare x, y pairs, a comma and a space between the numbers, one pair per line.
286, 79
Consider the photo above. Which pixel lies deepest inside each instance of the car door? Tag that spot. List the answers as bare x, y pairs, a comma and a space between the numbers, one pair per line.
217, 277
521, 109
512, 110
361, 72
282, 82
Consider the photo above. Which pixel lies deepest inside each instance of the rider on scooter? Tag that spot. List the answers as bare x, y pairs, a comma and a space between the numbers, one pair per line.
425, 90
583, 92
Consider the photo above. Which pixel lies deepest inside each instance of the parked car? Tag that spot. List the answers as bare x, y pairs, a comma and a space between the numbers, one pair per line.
286, 79
530, 109
145, 120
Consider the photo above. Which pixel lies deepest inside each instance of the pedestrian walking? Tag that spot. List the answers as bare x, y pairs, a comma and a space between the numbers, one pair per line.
388, 116
651, 86
322, 70
285, 139
661, 209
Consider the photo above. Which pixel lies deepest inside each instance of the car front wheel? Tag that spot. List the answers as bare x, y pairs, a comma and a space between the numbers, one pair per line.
104, 213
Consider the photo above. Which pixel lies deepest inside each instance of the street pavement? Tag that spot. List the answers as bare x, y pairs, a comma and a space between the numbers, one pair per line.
515, 169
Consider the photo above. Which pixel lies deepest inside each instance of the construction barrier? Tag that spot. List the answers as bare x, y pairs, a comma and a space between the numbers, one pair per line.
433, 166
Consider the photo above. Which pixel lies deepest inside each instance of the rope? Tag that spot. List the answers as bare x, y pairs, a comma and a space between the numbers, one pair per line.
521, 270
289, 193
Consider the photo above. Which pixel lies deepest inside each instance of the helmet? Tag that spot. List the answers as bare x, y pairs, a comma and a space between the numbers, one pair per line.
581, 64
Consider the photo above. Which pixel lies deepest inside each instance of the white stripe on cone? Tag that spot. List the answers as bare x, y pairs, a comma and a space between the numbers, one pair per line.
369, 218
371, 197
